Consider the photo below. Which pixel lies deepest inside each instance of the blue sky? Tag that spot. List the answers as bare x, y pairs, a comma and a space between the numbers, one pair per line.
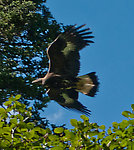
111, 56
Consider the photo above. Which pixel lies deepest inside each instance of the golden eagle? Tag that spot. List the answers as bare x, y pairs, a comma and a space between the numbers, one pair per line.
61, 80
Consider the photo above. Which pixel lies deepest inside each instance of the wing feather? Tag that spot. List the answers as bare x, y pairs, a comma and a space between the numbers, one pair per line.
68, 99
64, 51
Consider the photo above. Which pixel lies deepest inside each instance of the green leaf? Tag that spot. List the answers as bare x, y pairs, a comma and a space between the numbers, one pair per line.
9, 109
94, 125
93, 133
30, 125
1, 124
7, 103
132, 106
119, 133
131, 122
131, 115
23, 130
3, 113
2, 110
31, 134
4, 143
102, 127
84, 118
58, 130
17, 97
30, 108
124, 124
40, 130
123, 142
11, 98
57, 148
20, 117
72, 148
130, 145
74, 122
115, 125
7, 130
126, 113
109, 131
130, 130
69, 134
101, 135
14, 121
53, 137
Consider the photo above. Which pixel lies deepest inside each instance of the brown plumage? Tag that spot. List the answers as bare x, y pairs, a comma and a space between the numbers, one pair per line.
61, 80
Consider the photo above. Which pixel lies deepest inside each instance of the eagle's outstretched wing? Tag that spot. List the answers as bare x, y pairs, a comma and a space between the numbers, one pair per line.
64, 51
64, 65
68, 99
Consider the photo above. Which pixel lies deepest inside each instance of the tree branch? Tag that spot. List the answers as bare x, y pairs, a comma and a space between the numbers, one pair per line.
15, 44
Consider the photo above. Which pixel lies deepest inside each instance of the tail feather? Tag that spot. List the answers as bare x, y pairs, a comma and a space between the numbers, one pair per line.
88, 84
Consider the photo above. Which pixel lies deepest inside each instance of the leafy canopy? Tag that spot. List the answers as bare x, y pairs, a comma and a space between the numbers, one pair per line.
17, 132
26, 29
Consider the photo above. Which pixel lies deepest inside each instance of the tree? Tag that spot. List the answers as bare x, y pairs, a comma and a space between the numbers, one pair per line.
17, 133
26, 28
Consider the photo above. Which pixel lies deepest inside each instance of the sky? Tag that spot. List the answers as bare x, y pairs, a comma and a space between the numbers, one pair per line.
111, 57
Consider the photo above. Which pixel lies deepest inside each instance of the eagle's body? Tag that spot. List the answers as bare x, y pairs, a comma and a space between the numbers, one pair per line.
61, 81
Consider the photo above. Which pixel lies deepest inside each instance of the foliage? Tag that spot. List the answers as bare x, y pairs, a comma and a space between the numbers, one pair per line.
17, 132
26, 29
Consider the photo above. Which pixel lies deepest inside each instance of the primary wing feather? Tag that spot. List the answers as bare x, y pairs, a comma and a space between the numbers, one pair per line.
68, 99
64, 51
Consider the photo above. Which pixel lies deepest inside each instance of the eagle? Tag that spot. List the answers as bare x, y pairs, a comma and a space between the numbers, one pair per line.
62, 81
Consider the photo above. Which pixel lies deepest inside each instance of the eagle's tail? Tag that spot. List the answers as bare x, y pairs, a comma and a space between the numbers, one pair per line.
88, 84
